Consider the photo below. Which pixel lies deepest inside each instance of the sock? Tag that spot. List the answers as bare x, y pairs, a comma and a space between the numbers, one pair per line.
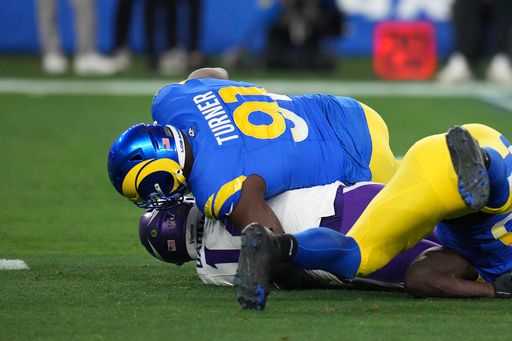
287, 247
497, 171
325, 249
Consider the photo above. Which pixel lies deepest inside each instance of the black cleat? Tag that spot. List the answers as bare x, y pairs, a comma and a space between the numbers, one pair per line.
258, 254
468, 160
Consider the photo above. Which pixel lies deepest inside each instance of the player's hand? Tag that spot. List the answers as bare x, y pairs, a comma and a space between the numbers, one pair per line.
503, 286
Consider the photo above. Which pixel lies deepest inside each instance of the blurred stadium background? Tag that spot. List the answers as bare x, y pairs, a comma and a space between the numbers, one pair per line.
88, 277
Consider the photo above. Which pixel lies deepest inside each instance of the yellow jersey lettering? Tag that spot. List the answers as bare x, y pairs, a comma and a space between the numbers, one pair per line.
273, 130
261, 131
228, 94
500, 232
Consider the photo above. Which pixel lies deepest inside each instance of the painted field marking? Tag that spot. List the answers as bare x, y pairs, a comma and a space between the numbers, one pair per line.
13, 264
495, 98
495, 95
137, 87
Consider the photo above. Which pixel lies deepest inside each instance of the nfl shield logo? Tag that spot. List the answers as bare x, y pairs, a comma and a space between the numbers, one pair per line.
171, 245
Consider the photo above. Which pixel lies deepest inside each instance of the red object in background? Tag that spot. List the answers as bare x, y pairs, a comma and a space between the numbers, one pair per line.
404, 50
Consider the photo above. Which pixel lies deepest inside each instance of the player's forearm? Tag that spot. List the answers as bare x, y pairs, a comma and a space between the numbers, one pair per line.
260, 214
252, 207
438, 284
440, 272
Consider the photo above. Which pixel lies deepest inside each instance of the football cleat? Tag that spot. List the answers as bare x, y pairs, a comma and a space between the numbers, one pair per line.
469, 160
259, 252
170, 235
145, 164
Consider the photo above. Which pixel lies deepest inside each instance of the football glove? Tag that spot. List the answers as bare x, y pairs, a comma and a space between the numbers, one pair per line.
503, 286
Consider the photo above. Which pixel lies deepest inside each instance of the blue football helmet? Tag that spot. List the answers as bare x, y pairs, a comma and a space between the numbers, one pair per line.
170, 234
145, 164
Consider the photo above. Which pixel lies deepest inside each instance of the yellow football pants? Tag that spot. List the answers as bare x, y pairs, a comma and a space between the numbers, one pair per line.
423, 192
383, 164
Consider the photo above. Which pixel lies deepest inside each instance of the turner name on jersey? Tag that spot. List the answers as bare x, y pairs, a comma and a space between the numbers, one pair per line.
213, 112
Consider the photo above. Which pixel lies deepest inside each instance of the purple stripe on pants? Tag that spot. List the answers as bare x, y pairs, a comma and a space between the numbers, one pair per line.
349, 206
394, 271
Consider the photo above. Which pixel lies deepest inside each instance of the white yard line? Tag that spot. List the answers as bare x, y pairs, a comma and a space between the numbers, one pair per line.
13, 264
384, 89
495, 95
79, 87
498, 98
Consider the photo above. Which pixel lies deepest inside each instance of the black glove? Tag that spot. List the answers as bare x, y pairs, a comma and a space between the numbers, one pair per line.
503, 286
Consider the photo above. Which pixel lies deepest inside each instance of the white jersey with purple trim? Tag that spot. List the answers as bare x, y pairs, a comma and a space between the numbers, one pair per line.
218, 245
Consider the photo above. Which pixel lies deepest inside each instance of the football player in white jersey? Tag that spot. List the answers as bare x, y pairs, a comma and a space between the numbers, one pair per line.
181, 234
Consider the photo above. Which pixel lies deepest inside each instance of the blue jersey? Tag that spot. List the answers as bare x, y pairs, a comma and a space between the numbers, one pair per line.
484, 239
237, 129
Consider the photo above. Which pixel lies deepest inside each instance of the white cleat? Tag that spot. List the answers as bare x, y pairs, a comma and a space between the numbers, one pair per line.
91, 64
54, 63
457, 70
122, 60
500, 70
173, 62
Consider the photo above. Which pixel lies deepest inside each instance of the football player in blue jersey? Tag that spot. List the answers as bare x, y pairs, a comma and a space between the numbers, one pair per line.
442, 177
233, 145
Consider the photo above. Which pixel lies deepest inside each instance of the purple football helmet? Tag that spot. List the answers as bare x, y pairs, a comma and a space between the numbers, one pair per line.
170, 234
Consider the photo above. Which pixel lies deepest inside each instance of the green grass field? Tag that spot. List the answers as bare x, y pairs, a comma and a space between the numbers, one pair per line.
90, 279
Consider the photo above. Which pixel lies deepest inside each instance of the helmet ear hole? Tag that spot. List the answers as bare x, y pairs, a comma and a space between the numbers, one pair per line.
137, 157
159, 181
